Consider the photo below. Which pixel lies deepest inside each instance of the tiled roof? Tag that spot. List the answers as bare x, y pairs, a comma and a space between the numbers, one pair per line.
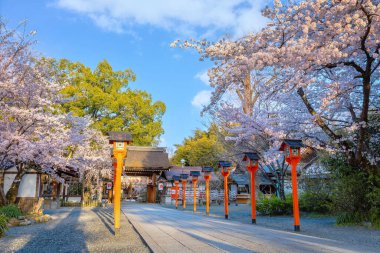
251, 155
291, 143
119, 136
224, 164
147, 158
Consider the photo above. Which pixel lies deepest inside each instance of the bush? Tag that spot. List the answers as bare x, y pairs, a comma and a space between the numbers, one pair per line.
3, 224
374, 199
10, 211
356, 193
275, 206
312, 202
346, 218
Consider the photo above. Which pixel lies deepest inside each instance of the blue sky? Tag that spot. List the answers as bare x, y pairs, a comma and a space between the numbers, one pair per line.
137, 35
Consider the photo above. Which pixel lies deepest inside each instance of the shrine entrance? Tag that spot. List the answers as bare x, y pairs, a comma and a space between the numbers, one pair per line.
143, 165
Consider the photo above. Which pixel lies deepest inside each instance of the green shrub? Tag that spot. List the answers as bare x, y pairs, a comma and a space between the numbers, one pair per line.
275, 206
3, 224
374, 199
10, 211
356, 193
312, 202
346, 218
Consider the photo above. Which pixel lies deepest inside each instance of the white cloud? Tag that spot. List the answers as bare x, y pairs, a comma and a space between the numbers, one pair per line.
235, 17
201, 99
203, 77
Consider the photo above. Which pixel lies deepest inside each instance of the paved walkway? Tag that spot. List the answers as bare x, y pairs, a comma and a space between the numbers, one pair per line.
167, 230
74, 230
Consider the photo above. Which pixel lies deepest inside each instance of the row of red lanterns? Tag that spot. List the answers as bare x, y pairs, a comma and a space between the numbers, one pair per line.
292, 154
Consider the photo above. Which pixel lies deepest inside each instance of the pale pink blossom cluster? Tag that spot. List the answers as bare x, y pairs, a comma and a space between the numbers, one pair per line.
314, 74
34, 131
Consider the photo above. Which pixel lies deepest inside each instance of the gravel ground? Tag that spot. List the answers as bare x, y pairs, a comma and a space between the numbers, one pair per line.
74, 230
324, 227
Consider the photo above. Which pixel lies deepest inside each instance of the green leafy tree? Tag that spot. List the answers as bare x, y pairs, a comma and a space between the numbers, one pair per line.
104, 95
202, 149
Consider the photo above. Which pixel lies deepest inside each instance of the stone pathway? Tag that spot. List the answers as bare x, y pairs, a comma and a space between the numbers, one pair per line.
168, 230
324, 227
74, 230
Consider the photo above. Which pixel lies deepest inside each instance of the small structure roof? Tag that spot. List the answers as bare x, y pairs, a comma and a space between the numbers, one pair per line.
240, 179
195, 173
146, 159
119, 136
207, 169
253, 156
293, 143
184, 176
224, 164
176, 178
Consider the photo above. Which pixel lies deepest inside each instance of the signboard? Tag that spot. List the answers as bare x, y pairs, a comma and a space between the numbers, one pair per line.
160, 186
119, 145
109, 185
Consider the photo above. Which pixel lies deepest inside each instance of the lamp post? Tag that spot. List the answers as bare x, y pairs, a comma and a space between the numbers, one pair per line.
207, 176
194, 178
184, 181
292, 149
176, 183
253, 165
119, 140
226, 170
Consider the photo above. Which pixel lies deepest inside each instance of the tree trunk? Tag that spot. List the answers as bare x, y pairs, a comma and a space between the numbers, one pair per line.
13, 191
282, 188
2, 193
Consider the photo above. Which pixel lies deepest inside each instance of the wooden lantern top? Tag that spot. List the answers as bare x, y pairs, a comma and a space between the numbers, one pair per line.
119, 137
253, 156
224, 164
292, 143
207, 169
184, 176
176, 178
195, 173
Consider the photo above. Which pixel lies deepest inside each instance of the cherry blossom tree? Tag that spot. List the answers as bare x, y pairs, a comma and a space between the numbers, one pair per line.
329, 54
318, 66
35, 134
322, 58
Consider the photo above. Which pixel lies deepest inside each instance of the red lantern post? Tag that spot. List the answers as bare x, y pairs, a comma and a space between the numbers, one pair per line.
194, 178
226, 170
207, 176
119, 140
253, 165
184, 181
176, 183
293, 157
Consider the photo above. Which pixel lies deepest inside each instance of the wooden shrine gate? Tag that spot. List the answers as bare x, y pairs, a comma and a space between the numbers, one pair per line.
147, 162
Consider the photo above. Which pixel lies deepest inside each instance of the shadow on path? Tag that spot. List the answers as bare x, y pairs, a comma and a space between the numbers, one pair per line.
62, 235
106, 216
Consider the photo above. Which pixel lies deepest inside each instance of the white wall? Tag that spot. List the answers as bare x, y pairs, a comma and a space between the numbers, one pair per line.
27, 186
8, 179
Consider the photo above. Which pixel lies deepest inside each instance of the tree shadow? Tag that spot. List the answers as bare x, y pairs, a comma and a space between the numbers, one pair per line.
106, 216
67, 235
